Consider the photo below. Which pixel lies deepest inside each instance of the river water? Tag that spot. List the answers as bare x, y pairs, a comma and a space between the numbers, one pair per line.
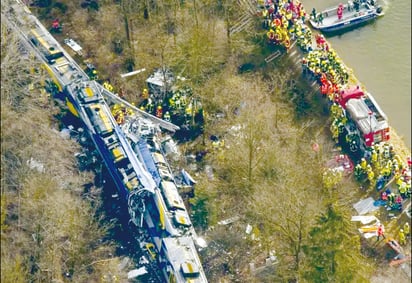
379, 54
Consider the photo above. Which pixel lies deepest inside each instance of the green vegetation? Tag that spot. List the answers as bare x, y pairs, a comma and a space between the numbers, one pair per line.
328, 256
266, 173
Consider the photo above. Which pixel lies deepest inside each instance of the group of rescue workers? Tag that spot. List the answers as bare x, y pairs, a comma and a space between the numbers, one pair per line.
316, 17
178, 107
327, 68
285, 21
120, 112
403, 234
380, 165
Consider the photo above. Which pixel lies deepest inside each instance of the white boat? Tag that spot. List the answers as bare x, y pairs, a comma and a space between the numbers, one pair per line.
351, 14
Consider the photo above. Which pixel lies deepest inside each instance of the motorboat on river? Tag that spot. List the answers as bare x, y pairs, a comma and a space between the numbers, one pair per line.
344, 16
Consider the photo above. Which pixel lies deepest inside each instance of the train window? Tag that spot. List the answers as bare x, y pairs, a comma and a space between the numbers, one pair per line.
52, 56
133, 183
34, 41
118, 154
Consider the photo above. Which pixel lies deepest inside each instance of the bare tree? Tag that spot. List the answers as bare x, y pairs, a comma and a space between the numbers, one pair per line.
48, 231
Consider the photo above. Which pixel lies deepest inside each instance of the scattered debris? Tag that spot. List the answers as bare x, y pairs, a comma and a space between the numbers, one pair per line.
364, 219
125, 261
171, 149
229, 220
209, 172
74, 46
133, 73
187, 178
248, 229
65, 133
36, 165
137, 272
272, 259
370, 231
201, 243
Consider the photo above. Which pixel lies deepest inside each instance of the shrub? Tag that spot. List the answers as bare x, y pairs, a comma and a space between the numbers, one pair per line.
60, 6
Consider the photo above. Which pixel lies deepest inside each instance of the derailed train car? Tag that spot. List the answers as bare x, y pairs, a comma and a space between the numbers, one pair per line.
137, 166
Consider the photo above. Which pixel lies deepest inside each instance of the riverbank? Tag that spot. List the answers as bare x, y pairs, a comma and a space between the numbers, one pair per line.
401, 148
380, 54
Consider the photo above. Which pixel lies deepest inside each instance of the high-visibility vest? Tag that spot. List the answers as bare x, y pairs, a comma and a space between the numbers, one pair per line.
145, 94
402, 188
167, 116
149, 107
171, 102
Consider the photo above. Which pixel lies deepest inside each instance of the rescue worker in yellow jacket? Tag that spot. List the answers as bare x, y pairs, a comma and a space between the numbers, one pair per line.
402, 239
145, 94
406, 229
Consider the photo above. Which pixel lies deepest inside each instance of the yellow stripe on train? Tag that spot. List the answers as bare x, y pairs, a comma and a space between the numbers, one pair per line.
53, 76
89, 91
161, 213
71, 107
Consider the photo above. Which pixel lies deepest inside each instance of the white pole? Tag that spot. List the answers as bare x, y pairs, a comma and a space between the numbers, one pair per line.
132, 73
